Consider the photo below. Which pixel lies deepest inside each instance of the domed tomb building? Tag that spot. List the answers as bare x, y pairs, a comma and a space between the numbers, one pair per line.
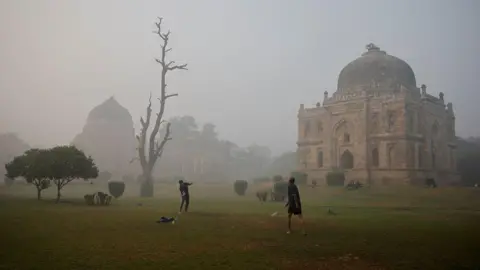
109, 137
379, 127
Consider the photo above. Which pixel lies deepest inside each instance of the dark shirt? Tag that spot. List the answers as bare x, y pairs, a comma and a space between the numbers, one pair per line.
294, 196
184, 189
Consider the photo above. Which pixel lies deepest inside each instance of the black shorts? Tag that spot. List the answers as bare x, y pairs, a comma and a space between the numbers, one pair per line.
295, 210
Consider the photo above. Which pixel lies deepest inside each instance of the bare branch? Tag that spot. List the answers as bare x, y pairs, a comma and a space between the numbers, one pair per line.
166, 35
171, 95
160, 61
165, 139
183, 67
143, 133
156, 145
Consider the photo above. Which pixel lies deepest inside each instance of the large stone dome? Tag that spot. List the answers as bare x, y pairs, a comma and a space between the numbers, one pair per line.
375, 68
110, 110
109, 136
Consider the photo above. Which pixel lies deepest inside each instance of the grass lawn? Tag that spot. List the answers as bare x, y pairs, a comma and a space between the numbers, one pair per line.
405, 228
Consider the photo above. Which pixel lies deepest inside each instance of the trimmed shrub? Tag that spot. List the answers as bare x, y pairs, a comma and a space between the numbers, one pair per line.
89, 199
336, 179
240, 187
116, 188
300, 178
97, 198
8, 181
261, 180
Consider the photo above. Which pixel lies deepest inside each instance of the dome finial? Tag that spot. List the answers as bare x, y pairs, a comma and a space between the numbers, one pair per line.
372, 47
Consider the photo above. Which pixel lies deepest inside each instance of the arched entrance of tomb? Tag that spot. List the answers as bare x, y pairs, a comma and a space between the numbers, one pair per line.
341, 144
346, 160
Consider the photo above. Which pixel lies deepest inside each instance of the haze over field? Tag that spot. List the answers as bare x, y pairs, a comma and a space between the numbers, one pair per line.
251, 63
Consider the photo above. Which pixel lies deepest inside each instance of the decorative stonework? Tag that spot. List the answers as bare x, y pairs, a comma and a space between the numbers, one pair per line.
379, 124
391, 117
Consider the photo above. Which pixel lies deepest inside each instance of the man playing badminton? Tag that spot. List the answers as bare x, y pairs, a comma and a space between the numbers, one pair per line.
294, 204
183, 187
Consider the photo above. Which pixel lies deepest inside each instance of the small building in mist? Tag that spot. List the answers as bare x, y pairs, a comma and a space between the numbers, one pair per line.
11, 145
109, 137
378, 126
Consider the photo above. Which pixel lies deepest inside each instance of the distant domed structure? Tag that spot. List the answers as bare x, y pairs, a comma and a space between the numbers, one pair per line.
375, 67
110, 110
108, 136
378, 127
10, 146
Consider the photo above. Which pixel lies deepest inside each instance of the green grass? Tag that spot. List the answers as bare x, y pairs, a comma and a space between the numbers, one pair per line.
403, 228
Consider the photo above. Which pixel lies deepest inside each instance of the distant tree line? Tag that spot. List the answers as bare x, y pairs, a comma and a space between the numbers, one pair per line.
468, 160
198, 154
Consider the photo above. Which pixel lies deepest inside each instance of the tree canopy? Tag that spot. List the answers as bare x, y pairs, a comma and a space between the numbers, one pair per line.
69, 163
33, 166
61, 164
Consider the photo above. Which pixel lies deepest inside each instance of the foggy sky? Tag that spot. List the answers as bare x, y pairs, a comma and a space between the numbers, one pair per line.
251, 63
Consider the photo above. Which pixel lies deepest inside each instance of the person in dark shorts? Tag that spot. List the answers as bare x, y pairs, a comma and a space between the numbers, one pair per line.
183, 187
294, 204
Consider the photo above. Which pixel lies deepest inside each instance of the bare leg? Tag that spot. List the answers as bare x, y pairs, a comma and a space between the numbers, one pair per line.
187, 202
302, 222
181, 205
289, 222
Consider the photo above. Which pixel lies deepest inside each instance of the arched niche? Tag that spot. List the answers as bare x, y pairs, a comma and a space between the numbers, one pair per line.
346, 160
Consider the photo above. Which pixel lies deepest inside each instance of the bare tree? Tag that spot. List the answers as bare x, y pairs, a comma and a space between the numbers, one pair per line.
156, 145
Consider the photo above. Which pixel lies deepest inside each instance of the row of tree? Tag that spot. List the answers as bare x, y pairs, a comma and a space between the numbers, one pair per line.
198, 154
60, 165
468, 160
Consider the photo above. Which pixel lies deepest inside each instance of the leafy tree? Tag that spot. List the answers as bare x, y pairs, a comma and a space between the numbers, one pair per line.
283, 164
208, 132
155, 147
69, 163
34, 165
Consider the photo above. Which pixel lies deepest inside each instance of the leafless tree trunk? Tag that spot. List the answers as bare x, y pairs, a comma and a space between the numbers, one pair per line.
155, 145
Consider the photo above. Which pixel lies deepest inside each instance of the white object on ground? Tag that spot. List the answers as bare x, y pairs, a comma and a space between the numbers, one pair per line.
274, 214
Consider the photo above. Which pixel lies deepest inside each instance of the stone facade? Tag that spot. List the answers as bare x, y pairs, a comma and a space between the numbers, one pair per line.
379, 127
109, 137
